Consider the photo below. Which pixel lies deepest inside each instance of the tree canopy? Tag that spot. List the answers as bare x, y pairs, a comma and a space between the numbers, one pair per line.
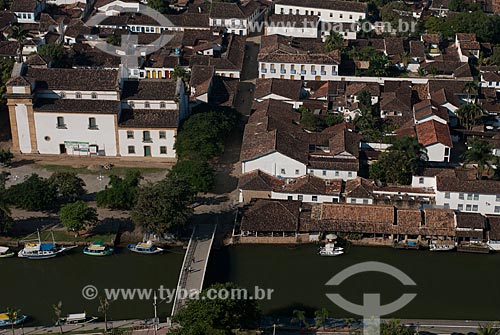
399, 162
120, 193
164, 207
468, 115
69, 186
33, 194
77, 216
198, 173
216, 316
334, 41
480, 153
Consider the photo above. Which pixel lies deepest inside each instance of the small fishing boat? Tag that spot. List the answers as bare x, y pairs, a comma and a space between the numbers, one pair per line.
98, 248
147, 248
75, 319
6, 321
441, 245
330, 250
6, 252
38, 250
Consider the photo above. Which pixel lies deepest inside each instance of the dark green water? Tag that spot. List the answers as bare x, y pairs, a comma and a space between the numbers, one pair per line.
35, 285
450, 285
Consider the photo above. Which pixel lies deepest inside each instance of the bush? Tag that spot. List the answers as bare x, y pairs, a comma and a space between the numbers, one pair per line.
199, 174
6, 158
77, 216
69, 186
120, 193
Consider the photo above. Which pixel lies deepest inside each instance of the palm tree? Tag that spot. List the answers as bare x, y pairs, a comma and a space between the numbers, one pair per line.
58, 311
103, 309
471, 88
489, 329
480, 153
12, 316
469, 114
321, 316
334, 41
19, 34
300, 317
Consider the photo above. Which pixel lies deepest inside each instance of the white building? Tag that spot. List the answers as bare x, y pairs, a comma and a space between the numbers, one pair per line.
435, 137
80, 112
293, 26
325, 10
236, 18
27, 11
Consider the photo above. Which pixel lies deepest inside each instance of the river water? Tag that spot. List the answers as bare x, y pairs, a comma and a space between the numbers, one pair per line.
449, 285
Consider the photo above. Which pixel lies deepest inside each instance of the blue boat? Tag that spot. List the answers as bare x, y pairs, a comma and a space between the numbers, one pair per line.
147, 248
5, 321
98, 248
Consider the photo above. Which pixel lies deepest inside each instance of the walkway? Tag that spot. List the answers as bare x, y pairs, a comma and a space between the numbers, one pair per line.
195, 263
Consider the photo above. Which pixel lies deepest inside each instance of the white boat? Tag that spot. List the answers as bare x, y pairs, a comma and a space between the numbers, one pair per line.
438, 245
147, 248
6, 321
6, 252
38, 250
78, 318
330, 250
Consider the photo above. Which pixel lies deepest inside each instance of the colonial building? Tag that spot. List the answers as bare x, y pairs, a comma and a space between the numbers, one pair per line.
236, 18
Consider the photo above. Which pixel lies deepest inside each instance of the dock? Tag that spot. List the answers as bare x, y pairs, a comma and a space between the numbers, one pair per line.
195, 263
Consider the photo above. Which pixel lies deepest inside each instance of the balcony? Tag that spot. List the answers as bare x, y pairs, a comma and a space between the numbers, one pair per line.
61, 126
283, 71
313, 72
323, 73
293, 71
147, 140
334, 73
263, 70
273, 70
303, 72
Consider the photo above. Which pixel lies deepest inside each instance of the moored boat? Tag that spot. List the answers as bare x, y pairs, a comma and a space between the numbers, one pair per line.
38, 250
330, 250
147, 248
98, 248
6, 252
6, 321
441, 245
77, 318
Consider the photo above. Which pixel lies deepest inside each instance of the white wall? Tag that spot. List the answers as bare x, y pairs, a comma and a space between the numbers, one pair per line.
333, 174
273, 163
308, 32
330, 71
436, 153
155, 144
427, 182
23, 130
295, 104
325, 15
366, 201
305, 197
485, 203
76, 131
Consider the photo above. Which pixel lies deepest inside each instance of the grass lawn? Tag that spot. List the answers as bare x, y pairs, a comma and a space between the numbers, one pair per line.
64, 236
116, 170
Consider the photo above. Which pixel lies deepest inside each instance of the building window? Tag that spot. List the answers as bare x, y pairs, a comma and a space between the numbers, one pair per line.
163, 150
476, 197
497, 209
497, 198
130, 134
324, 172
131, 149
300, 197
283, 171
461, 196
62, 95
341, 15
421, 180
297, 171
146, 104
365, 201
447, 195
60, 122
314, 198
446, 205
474, 208
92, 123
163, 105
335, 200
131, 104
469, 196
337, 173
353, 201
78, 95
94, 95
146, 136
468, 208
460, 207
349, 174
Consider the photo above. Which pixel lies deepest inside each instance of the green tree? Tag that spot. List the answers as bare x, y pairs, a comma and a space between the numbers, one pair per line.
334, 41
69, 186
203, 134
216, 316
165, 206
488, 329
494, 59
320, 316
394, 327
53, 52
5, 213
299, 316
33, 194
379, 65
77, 216
115, 40
104, 305
12, 314
471, 88
310, 121
180, 72
158, 5
120, 193
19, 34
57, 308
198, 173
399, 162
333, 119
468, 115
480, 153
6, 158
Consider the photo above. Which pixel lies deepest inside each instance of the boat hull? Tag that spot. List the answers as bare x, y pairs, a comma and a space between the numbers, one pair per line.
10, 254
20, 319
107, 252
133, 248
